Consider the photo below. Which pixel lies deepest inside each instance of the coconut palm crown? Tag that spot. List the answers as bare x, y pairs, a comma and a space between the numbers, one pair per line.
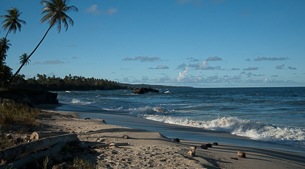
55, 13
12, 21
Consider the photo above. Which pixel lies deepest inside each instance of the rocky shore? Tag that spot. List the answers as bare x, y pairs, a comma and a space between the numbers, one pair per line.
28, 97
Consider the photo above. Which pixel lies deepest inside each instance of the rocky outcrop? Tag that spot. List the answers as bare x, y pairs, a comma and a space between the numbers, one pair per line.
144, 90
29, 97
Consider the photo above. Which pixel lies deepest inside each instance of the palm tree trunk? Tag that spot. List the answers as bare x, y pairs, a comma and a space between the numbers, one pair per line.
7, 33
17, 72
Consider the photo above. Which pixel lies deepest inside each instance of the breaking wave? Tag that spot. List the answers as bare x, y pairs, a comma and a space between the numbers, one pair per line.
251, 129
80, 102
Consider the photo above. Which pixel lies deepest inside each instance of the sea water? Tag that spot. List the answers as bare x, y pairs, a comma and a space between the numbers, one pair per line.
267, 115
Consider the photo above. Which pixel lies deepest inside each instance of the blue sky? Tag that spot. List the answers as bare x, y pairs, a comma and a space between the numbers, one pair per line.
201, 43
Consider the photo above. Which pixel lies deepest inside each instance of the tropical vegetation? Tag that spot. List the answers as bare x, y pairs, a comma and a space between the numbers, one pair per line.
44, 82
54, 13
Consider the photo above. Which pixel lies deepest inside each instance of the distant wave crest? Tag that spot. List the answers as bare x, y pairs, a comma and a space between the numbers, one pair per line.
80, 102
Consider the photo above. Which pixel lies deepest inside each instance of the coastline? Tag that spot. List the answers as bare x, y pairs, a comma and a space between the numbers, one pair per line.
172, 130
149, 149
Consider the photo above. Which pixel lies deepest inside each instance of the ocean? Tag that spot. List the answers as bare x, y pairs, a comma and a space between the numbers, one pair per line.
258, 117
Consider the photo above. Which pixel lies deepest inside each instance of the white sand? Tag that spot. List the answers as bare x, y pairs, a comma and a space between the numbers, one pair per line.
144, 149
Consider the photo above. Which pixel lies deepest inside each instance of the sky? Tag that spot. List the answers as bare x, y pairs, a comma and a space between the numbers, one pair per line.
199, 43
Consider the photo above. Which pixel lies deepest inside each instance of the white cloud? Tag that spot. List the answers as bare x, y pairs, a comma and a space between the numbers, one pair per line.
191, 59
182, 75
204, 64
111, 11
160, 67
270, 58
93, 9
214, 58
280, 66
251, 68
181, 66
235, 69
141, 59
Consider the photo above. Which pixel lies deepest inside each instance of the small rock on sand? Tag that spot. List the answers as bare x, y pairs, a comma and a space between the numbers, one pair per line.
241, 154
34, 136
191, 153
204, 146
176, 140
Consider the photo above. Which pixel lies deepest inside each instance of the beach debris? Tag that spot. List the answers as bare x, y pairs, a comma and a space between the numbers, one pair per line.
208, 145
87, 118
191, 153
176, 140
215, 144
9, 136
112, 145
241, 154
126, 137
100, 139
193, 148
204, 146
34, 136
24, 153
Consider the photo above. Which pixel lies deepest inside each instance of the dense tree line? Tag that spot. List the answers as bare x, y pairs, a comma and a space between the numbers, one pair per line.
41, 81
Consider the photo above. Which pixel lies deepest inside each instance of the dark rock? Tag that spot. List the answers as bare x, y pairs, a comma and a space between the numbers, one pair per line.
204, 146
176, 140
209, 145
19, 140
215, 144
144, 90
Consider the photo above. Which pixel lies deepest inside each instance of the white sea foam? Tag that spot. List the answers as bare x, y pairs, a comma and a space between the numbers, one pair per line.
80, 102
240, 127
147, 110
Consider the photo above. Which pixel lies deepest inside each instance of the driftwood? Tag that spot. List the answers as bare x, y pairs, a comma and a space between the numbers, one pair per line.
13, 153
52, 151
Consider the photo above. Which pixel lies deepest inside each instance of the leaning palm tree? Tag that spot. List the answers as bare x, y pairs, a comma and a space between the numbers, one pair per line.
55, 14
12, 21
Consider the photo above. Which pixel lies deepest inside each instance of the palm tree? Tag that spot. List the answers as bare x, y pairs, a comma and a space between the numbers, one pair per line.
12, 21
55, 14
23, 59
4, 46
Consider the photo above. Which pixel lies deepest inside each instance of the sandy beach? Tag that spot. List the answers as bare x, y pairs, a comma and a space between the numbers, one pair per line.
112, 146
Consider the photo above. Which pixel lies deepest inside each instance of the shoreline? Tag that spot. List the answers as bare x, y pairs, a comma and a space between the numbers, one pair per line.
171, 130
151, 142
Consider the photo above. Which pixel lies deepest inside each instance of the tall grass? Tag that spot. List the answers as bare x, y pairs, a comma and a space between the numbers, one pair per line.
17, 113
